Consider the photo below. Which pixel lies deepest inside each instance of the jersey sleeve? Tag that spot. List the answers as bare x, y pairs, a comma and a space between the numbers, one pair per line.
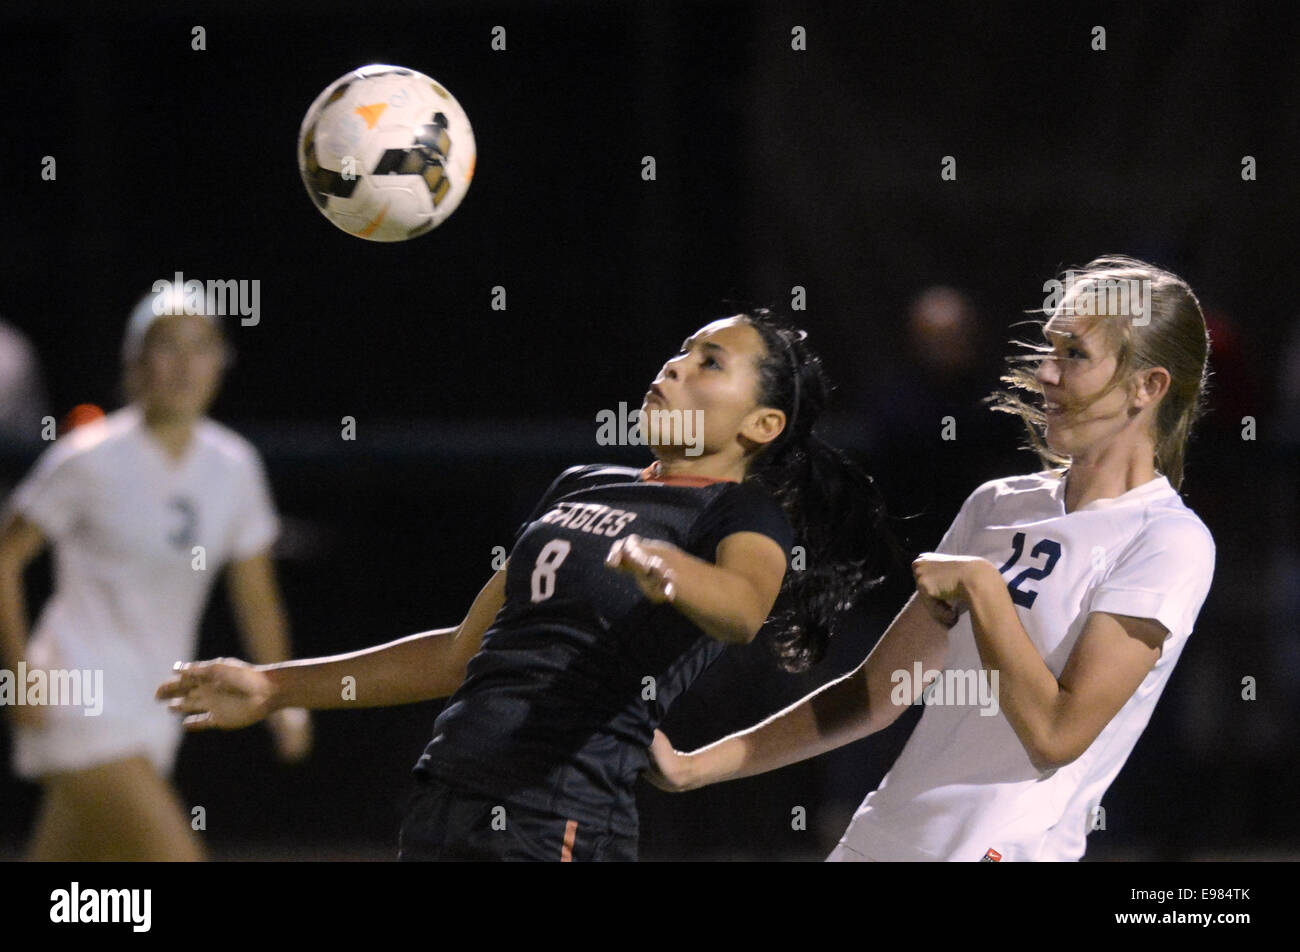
1164, 574
52, 493
256, 523
561, 485
956, 541
742, 508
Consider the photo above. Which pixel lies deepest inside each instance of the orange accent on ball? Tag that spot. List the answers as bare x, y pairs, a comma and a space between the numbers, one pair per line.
371, 113
369, 229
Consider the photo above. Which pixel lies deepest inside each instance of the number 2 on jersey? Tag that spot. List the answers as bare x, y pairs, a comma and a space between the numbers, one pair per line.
548, 560
1049, 547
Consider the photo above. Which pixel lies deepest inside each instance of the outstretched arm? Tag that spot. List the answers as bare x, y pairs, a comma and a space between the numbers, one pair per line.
228, 694
843, 711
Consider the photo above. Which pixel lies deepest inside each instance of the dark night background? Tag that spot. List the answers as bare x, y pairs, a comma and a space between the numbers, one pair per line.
775, 168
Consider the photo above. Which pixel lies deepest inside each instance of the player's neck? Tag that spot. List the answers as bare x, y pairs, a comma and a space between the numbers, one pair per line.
172, 433
707, 466
1107, 472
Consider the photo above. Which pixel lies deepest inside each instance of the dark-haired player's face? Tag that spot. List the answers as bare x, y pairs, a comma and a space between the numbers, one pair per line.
180, 366
714, 376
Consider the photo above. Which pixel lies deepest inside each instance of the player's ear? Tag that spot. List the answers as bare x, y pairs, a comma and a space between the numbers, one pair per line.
1152, 383
763, 425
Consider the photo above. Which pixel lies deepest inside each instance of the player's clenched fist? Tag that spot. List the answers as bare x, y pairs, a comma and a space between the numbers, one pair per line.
941, 584
225, 693
639, 558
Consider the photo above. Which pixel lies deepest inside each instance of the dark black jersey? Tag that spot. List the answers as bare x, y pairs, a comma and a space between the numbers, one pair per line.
559, 706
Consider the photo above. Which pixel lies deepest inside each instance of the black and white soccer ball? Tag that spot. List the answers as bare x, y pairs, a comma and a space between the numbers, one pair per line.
386, 153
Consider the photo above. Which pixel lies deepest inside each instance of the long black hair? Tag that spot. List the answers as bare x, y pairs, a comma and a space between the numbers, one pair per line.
835, 509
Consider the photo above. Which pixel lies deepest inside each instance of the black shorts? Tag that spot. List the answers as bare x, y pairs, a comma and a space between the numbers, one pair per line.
446, 823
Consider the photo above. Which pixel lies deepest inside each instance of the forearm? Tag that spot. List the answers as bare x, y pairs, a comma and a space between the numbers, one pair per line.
418, 667
722, 604
834, 715
13, 618
1028, 692
265, 635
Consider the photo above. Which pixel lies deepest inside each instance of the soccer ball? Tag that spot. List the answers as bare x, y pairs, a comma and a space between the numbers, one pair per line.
386, 153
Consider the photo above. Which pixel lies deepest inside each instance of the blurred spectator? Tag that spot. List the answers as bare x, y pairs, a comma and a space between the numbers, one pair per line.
932, 441
22, 394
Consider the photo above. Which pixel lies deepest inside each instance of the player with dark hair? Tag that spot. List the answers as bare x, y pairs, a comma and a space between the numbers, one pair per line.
622, 587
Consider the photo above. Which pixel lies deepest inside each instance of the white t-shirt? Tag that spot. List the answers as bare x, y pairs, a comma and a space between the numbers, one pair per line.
125, 520
964, 784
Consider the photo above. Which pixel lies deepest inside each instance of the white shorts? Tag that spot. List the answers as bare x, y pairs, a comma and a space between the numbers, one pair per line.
69, 740
130, 722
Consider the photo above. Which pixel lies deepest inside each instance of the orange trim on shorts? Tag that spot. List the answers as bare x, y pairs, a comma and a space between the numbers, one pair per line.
570, 834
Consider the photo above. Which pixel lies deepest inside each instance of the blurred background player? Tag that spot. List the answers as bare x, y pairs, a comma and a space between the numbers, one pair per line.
22, 392
143, 508
23, 403
1078, 587
562, 668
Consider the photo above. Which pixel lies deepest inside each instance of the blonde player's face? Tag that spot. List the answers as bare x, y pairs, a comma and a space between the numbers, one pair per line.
181, 366
715, 373
1080, 366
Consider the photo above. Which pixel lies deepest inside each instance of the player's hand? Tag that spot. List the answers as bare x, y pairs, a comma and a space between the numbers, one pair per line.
667, 769
291, 733
941, 585
636, 557
225, 693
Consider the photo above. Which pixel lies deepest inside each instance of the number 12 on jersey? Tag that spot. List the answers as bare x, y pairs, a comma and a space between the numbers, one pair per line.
1049, 547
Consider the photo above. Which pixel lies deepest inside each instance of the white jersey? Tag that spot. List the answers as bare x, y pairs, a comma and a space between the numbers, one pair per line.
138, 538
964, 788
